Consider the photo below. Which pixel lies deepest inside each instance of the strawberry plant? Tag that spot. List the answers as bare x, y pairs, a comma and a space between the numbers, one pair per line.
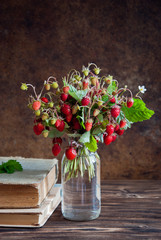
88, 108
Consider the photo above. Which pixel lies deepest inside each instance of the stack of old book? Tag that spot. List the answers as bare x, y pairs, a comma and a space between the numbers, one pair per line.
28, 198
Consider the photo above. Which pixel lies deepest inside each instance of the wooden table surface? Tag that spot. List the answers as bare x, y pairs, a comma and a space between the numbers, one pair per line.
131, 210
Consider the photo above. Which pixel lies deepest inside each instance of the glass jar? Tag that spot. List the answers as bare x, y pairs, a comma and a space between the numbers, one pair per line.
81, 196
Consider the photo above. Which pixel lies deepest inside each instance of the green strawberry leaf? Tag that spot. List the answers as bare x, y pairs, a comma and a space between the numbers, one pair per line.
105, 98
138, 112
55, 133
85, 138
92, 145
78, 95
97, 130
100, 117
111, 88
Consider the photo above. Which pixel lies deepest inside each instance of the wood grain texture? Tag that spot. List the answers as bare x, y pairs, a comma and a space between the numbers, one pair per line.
131, 210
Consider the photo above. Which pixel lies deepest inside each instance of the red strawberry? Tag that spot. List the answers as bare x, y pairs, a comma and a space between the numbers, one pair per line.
113, 100
64, 97
85, 84
61, 126
69, 117
117, 127
122, 123
36, 105
120, 131
109, 129
57, 140
114, 137
115, 111
130, 102
56, 149
66, 89
66, 109
85, 101
76, 125
71, 153
107, 139
88, 124
58, 122
38, 128
44, 99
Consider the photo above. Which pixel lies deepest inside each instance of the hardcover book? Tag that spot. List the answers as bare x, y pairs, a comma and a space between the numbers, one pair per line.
32, 217
27, 189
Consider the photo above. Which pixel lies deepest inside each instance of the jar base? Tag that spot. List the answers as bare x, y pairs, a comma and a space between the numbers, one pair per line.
79, 215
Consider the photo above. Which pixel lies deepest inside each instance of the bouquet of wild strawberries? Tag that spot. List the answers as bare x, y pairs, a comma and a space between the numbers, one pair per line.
88, 108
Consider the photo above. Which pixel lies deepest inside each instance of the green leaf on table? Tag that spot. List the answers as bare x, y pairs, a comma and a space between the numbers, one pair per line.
10, 166
92, 145
85, 138
138, 112
55, 133
111, 88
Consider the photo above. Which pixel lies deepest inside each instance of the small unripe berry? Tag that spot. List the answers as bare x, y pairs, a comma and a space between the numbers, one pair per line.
77, 77
45, 116
100, 103
86, 72
53, 121
96, 112
97, 70
45, 133
47, 86
51, 104
37, 113
107, 80
24, 87
54, 85
94, 81
75, 109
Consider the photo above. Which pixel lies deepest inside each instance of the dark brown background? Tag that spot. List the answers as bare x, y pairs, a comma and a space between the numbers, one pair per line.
45, 37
